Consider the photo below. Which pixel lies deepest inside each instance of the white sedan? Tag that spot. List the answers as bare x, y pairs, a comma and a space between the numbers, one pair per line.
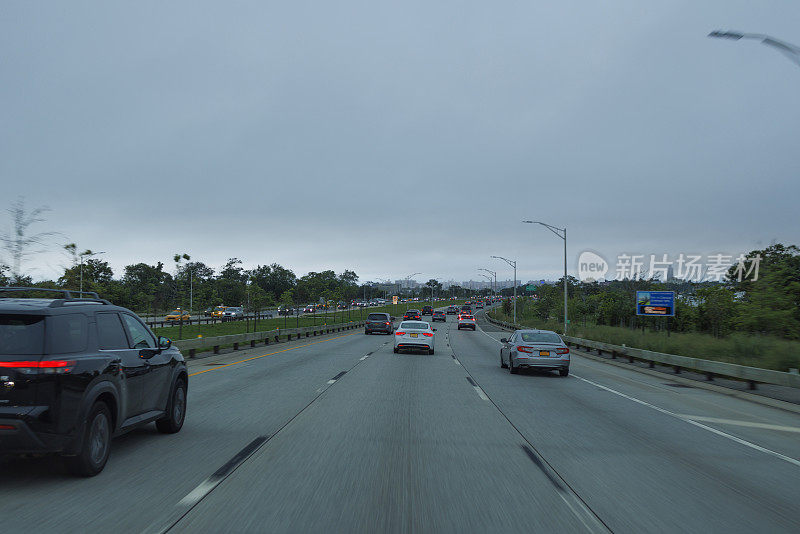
414, 335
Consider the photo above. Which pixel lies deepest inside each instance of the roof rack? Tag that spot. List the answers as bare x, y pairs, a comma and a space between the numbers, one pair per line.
67, 295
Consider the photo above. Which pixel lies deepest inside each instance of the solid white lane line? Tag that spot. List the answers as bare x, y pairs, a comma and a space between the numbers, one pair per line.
741, 441
456, 361
363, 358
738, 422
331, 381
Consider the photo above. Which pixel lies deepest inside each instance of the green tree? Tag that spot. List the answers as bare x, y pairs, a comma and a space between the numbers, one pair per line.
273, 279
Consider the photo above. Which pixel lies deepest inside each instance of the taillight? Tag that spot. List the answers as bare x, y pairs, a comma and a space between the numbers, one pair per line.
426, 334
529, 350
562, 351
42, 367
387, 324
399, 333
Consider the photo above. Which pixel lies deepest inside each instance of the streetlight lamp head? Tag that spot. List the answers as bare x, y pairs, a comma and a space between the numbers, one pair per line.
726, 35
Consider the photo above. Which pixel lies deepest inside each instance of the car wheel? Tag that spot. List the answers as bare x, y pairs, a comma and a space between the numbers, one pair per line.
176, 410
564, 372
95, 443
511, 369
395, 350
502, 363
365, 332
430, 350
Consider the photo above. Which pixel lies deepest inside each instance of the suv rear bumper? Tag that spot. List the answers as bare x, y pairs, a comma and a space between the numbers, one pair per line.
378, 328
22, 439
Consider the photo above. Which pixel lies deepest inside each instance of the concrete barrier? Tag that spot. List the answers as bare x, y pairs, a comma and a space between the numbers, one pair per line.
193, 346
710, 368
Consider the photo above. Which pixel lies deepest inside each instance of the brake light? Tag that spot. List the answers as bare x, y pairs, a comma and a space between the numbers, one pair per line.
562, 351
426, 334
387, 324
44, 366
399, 333
529, 350
7, 427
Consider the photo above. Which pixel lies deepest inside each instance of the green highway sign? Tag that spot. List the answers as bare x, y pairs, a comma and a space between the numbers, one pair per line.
530, 287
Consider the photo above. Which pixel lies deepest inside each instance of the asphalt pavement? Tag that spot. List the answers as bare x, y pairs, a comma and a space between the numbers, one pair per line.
338, 434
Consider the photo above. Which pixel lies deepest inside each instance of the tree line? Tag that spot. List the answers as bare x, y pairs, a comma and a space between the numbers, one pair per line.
768, 305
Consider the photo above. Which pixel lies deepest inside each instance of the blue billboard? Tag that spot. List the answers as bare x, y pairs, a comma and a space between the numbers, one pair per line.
655, 303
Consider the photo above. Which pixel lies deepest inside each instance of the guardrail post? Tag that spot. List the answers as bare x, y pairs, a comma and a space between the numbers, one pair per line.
710, 377
630, 358
651, 364
613, 355
216, 349
192, 352
252, 343
235, 346
677, 369
751, 384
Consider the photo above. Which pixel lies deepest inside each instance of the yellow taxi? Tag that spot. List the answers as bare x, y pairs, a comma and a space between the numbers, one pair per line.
177, 315
219, 311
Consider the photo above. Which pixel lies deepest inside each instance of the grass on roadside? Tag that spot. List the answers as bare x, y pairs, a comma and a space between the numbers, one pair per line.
241, 327
767, 352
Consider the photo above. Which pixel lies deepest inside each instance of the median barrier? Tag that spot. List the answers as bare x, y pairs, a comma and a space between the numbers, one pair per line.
193, 346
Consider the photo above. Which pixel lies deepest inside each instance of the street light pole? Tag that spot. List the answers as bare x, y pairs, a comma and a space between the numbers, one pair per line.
513, 264
562, 233
408, 280
494, 273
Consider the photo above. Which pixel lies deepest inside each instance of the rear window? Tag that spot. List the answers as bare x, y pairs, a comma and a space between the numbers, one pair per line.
67, 333
376, 317
541, 337
414, 325
21, 334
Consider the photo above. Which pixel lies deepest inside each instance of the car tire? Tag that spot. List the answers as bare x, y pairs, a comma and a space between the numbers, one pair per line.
564, 372
95, 443
430, 351
395, 350
502, 363
511, 369
176, 409
366, 333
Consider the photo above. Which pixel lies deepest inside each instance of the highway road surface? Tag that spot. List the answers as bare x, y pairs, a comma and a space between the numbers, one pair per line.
338, 434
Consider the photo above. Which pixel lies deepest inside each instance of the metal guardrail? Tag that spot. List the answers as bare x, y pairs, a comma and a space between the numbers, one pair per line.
269, 336
710, 368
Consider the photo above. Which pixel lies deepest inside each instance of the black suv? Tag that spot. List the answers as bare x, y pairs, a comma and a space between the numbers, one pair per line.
74, 372
412, 315
427, 310
379, 322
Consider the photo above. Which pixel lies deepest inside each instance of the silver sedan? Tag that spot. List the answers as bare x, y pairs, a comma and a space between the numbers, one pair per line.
534, 349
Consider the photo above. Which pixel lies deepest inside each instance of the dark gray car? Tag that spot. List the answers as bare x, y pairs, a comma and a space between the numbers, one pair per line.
534, 349
379, 322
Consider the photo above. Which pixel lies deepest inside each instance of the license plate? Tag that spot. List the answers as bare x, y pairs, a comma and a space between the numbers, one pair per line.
414, 335
544, 353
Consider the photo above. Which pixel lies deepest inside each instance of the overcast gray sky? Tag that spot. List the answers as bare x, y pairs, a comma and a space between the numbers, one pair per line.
396, 137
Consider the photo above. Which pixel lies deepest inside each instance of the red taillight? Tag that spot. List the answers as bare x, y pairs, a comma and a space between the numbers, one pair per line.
529, 350
44, 366
399, 333
387, 324
562, 351
426, 334
7, 427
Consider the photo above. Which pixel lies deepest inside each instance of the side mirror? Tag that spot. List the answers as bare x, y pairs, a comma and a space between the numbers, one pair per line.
164, 343
433, 329
394, 318
503, 340
148, 353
